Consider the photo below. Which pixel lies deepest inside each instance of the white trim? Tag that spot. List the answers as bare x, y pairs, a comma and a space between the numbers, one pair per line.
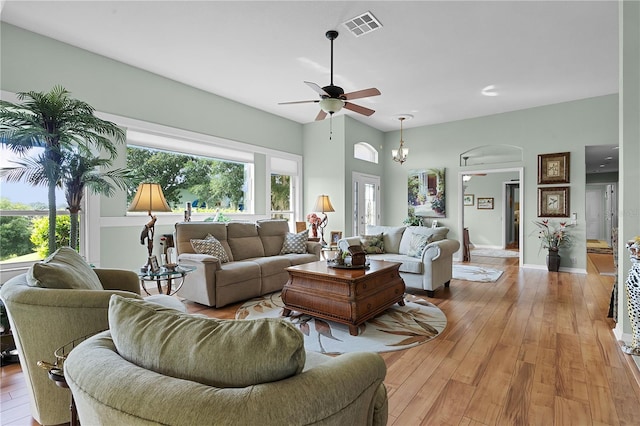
562, 269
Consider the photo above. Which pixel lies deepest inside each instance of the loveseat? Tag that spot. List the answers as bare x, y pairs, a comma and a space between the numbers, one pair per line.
245, 260
425, 253
223, 372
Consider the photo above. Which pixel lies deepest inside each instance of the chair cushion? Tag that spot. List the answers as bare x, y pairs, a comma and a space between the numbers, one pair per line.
295, 243
220, 353
64, 269
211, 246
373, 244
271, 232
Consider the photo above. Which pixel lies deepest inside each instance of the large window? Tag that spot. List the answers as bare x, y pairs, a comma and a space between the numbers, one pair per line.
24, 216
284, 182
210, 185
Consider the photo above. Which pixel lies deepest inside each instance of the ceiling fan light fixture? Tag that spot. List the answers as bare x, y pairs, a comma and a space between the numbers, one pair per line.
331, 105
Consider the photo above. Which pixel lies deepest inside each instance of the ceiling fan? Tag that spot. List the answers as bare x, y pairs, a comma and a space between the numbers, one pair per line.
332, 98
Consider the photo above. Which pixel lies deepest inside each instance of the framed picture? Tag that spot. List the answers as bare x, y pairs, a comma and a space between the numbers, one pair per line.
153, 263
553, 201
335, 236
553, 168
485, 203
469, 200
426, 193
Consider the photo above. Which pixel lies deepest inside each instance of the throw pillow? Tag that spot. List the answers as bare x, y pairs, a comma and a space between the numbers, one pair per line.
211, 246
295, 243
372, 244
417, 244
220, 353
64, 269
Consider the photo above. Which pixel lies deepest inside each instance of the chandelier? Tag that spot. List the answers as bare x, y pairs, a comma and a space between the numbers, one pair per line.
400, 154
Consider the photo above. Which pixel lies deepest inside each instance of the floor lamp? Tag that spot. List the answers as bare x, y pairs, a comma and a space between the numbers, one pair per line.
148, 198
323, 205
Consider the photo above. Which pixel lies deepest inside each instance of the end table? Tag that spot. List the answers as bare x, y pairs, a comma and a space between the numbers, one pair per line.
168, 275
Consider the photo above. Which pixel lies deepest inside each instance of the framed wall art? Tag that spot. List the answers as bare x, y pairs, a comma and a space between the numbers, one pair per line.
553, 201
153, 263
485, 203
469, 199
426, 193
553, 168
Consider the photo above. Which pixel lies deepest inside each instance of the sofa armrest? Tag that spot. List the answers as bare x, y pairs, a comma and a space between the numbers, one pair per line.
344, 243
438, 249
118, 279
314, 247
195, 259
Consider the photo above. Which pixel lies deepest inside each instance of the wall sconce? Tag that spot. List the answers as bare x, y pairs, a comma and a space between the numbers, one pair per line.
149, 197
400, 155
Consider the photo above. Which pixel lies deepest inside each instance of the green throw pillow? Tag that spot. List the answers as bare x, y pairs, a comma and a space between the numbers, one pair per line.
220, 353
417, 244
372, 244
64, 269
295, 243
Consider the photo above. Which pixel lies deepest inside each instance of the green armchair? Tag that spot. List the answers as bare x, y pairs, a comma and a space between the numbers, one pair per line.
44, 319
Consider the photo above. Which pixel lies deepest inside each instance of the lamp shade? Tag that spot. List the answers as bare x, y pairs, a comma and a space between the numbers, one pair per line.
331, 105
148, 198
323, 204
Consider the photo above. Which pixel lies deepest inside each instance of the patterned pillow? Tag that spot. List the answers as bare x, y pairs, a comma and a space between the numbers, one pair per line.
211, 246
372, 244
295, 243
417, 244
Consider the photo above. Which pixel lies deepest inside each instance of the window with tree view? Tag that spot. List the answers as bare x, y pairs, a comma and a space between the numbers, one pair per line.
210, 185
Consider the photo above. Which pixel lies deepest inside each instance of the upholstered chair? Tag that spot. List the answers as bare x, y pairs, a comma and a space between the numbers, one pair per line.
56, 302
217, 372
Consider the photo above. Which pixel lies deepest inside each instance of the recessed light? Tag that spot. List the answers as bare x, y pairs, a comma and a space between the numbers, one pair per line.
489, 90
609, 158
601, 165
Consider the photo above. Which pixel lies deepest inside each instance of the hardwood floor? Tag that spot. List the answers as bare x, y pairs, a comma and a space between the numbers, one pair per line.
532, 348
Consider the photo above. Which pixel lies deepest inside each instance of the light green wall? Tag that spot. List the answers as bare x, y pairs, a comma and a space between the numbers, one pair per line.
486, 226
629, 190
554, 128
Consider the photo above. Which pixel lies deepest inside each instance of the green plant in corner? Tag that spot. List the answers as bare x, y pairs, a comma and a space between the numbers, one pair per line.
54, 121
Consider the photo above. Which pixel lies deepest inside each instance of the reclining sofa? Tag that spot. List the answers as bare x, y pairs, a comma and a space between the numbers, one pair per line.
425, 253
251, 261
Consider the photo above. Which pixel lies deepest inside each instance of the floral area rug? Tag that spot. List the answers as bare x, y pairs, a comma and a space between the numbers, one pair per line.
476, 273
399, 327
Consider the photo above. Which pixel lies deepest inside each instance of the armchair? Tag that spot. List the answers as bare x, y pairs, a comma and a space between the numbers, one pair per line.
44, 319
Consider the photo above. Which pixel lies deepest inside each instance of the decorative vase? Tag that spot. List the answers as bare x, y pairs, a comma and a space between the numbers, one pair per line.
314, 230
553, 260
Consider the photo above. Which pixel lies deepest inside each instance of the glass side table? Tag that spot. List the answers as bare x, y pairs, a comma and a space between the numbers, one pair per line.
178, 274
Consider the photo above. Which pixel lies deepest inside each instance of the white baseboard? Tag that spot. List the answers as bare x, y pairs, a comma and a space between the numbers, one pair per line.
562, 269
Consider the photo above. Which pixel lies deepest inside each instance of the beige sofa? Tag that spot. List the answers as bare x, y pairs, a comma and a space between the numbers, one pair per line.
429, 268
255, 265
217, 372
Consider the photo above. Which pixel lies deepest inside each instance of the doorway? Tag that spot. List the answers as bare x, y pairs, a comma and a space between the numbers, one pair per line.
366, 202
491, 207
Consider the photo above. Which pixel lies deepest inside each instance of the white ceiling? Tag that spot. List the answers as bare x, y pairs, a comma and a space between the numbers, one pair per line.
430, 59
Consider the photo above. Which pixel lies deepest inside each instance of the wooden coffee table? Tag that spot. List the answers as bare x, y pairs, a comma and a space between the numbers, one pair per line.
347, 296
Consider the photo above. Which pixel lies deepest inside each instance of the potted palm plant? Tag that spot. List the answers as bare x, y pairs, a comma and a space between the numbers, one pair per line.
55, 122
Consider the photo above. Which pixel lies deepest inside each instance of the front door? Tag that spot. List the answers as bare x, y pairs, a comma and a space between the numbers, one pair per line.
366, 202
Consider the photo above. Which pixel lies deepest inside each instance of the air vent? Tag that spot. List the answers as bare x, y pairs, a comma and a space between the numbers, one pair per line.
363, 24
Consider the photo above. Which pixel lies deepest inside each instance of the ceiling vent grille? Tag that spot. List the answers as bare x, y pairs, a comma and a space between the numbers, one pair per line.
363, 24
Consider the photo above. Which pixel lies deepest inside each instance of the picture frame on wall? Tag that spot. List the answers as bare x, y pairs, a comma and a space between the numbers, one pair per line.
553, 168
469, 199
485, 203
553, 201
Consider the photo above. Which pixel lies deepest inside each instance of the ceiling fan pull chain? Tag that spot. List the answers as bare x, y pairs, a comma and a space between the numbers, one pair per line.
330, 125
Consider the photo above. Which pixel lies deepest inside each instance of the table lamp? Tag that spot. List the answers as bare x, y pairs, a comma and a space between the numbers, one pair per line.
323, 205
149, 197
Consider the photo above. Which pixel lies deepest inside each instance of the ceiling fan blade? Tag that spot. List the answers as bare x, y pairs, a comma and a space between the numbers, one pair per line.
362, 93
359, 109
299, 102
321, 115
319, 90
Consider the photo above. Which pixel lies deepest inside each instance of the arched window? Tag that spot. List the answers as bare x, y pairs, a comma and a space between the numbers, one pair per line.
364, 151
